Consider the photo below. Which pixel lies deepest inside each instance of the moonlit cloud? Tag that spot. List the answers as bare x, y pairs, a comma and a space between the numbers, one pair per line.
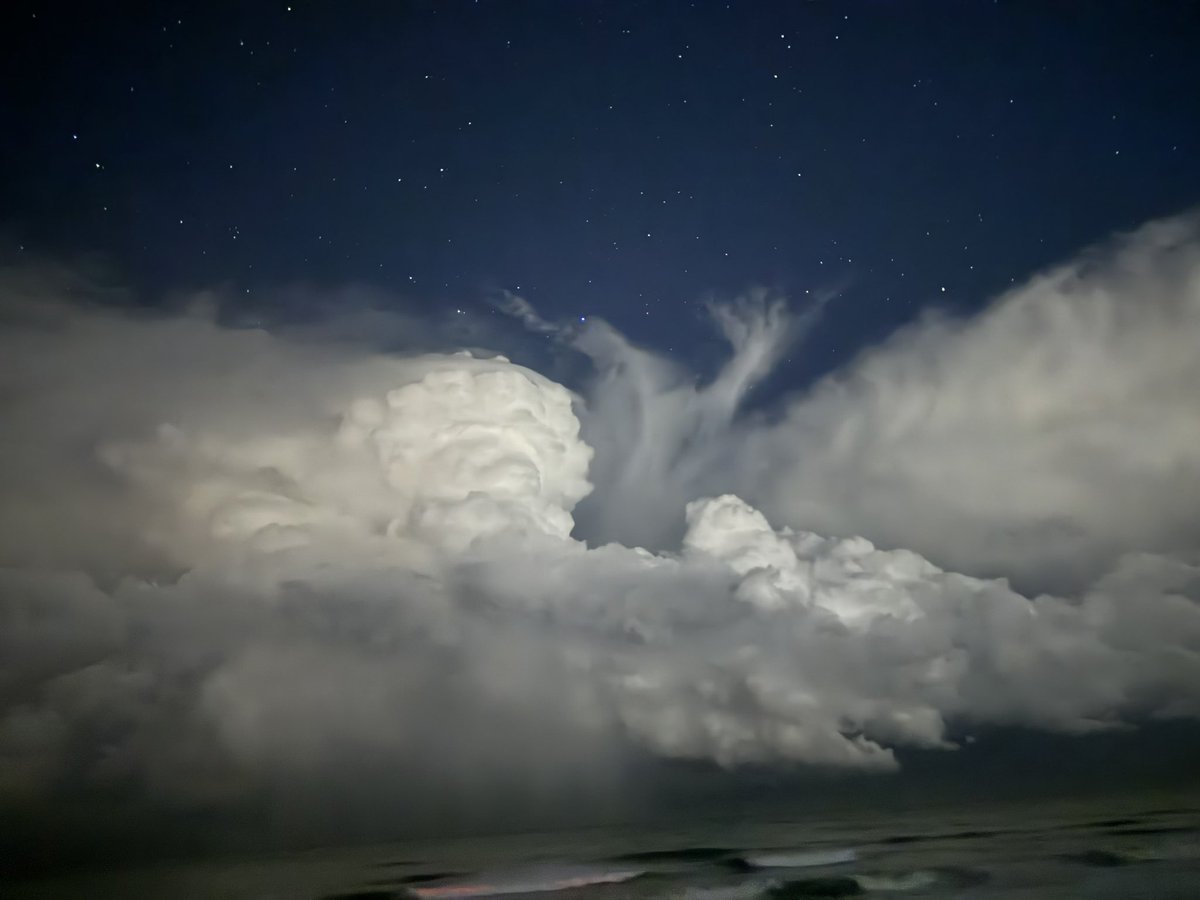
238, 561
1039, 440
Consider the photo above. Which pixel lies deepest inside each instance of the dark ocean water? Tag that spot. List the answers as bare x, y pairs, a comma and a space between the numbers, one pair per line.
1019, 852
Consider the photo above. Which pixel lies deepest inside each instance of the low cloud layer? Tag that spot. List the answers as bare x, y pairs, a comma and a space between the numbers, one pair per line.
235, 561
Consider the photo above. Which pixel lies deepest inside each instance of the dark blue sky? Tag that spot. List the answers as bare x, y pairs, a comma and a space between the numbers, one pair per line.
601, 158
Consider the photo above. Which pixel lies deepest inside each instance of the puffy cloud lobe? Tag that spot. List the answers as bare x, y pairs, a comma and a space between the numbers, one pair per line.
468, 447
237, 561
476, 448
846, 577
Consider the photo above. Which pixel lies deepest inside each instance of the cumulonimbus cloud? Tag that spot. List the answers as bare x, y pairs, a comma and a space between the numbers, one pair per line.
235, 557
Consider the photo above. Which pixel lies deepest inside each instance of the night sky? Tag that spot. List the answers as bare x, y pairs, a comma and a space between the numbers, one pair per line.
619, 159
419, 418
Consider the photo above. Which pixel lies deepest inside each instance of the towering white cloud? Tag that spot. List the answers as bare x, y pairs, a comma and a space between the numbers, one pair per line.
235, 560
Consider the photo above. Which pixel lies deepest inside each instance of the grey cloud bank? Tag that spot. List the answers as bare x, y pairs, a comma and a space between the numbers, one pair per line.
236, 562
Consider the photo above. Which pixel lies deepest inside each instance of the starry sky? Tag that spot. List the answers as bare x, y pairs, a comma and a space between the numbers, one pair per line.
621, 159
